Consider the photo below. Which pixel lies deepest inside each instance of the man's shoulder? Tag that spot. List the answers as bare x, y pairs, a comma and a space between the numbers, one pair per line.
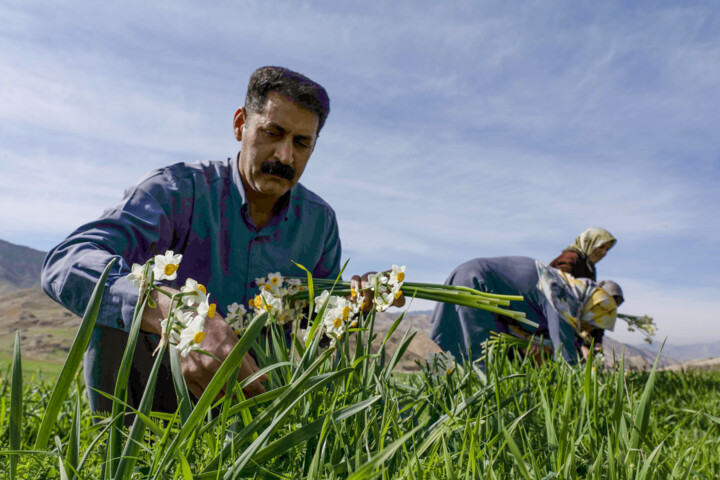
309, 199
184, 175
209, 169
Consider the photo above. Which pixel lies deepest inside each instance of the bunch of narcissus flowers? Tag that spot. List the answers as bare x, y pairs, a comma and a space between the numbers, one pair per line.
287, 298
188, 309
644, 323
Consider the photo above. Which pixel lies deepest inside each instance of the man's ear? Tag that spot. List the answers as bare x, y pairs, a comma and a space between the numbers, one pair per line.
238, 123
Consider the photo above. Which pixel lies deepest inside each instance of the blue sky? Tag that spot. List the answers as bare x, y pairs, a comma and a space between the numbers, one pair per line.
458, 129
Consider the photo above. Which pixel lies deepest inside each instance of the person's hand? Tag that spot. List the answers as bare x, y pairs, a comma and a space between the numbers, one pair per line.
197, 368
538, 352
360, 285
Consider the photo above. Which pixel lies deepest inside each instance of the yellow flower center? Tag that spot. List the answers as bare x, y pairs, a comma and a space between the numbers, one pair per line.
353, 292
267, 287
170, 268
211, 310
337, 322
274, 280
346, 313
258, 301
401, 276
198, 337
398, 293
201, 287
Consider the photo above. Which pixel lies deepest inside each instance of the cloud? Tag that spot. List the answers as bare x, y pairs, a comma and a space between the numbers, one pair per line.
458, 130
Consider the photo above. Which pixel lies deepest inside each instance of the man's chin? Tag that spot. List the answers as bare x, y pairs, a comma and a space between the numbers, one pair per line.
273, 186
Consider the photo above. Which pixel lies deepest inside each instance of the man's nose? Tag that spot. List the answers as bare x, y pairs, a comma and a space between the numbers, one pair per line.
284, 150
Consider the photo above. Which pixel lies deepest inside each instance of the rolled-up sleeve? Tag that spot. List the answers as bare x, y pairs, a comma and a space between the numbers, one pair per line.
141, 226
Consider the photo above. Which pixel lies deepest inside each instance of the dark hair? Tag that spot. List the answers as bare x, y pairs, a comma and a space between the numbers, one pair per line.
297, 87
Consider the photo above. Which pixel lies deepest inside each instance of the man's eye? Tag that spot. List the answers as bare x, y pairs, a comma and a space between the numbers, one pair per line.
302, 144
271, 133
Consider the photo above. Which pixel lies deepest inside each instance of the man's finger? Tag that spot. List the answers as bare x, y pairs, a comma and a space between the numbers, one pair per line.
195, 388
249, 367
254, 389
399, 301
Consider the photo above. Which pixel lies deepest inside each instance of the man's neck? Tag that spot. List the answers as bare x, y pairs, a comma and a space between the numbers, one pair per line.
262, 208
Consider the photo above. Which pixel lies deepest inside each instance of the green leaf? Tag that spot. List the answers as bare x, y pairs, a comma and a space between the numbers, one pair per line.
74, 358
16, 404
380, 458
216, 384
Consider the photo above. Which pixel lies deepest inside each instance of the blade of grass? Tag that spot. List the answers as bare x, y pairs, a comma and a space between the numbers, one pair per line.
16, 404
74, 358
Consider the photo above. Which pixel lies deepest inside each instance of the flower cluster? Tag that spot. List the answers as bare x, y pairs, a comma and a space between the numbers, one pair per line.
386, 287
184, 326
274, 298
644, 323
442, 363
339, 314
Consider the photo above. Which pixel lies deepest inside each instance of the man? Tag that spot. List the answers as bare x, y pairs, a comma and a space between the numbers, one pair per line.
232, 221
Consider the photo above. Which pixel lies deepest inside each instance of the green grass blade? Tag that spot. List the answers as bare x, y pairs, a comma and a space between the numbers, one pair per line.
517, 455
133, 442
72, 453
16, 404
181, 390
120, 392
365, 471
217, 383
74, 358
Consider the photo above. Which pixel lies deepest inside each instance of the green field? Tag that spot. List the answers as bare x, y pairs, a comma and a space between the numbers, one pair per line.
343, 414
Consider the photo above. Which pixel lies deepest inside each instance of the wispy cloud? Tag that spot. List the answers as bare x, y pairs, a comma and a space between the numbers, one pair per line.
458, 129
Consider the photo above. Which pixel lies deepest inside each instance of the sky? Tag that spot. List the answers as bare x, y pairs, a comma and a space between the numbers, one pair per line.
458, 129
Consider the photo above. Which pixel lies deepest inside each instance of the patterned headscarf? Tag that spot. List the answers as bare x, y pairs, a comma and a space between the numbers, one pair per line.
578, 300
591, 239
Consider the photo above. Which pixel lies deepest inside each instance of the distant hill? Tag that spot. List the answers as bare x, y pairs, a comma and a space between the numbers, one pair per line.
19, 267
47, 329
687, 352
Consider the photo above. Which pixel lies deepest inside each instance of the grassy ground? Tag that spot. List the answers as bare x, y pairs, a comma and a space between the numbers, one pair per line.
518, 421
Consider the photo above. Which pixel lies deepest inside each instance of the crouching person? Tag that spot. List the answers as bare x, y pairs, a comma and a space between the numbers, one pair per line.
564, 307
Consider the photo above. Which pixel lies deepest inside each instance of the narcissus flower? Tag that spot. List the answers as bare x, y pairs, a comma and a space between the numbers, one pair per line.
137, 276
197, 292
206, 309
235, 310
191, 336
397, 275
166, 266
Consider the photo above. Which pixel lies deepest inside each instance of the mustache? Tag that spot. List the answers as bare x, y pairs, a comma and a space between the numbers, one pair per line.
278, 169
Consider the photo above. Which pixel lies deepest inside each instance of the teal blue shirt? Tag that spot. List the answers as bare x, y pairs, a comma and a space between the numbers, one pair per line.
200, 211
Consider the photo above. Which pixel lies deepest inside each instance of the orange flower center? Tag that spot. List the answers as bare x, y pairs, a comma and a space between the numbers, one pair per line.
198, 337
401, 276
337, 322
170, 268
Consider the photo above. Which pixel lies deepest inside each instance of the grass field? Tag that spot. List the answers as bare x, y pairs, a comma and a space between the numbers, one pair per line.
340, 412
518, 421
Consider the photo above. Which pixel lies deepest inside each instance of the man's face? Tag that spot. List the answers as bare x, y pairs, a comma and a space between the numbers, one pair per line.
277, 144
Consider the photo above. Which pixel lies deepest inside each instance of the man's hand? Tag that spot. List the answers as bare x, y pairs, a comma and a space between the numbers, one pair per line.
360, 285
197, 368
